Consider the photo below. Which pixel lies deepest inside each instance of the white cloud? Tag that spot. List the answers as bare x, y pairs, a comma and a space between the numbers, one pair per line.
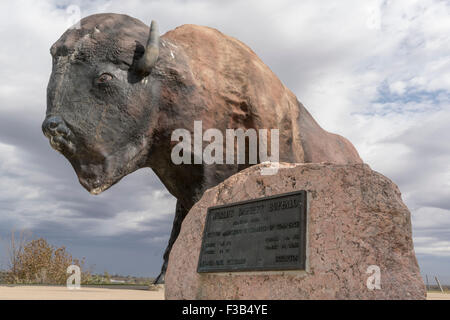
432, 246
431, 218
397, 87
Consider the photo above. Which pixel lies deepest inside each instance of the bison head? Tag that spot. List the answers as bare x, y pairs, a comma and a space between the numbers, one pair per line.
102, 98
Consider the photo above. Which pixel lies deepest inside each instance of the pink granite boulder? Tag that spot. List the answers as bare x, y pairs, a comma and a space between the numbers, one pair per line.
356, 219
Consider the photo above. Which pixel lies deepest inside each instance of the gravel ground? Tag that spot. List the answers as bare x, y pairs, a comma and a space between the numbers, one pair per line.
438, 296
84, 293
101, 293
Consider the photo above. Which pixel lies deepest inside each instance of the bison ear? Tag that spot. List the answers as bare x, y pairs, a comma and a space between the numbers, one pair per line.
148, 60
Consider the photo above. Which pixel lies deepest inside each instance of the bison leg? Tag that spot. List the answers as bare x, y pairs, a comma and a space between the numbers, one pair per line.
180, 213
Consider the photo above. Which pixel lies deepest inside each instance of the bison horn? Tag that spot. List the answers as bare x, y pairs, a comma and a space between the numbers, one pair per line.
148, 60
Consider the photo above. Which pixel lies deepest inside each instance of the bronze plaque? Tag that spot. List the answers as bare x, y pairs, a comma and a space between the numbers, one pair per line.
262, 234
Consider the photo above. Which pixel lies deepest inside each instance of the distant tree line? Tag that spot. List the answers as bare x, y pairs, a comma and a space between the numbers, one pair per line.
35, 261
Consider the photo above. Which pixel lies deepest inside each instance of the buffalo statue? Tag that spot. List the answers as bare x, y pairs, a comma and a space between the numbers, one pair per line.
118, 91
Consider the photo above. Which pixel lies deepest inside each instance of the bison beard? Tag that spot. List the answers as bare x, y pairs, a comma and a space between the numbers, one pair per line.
118, 91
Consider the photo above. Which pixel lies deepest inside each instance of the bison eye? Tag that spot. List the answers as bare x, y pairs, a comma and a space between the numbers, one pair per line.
105, 77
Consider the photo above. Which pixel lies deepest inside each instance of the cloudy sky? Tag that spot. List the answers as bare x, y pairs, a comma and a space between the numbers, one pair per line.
376, 72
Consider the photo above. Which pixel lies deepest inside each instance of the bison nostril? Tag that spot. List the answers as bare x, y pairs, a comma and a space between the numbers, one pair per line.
54, 125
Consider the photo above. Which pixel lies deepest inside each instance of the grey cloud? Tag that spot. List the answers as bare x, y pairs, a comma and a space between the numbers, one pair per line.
324, 53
